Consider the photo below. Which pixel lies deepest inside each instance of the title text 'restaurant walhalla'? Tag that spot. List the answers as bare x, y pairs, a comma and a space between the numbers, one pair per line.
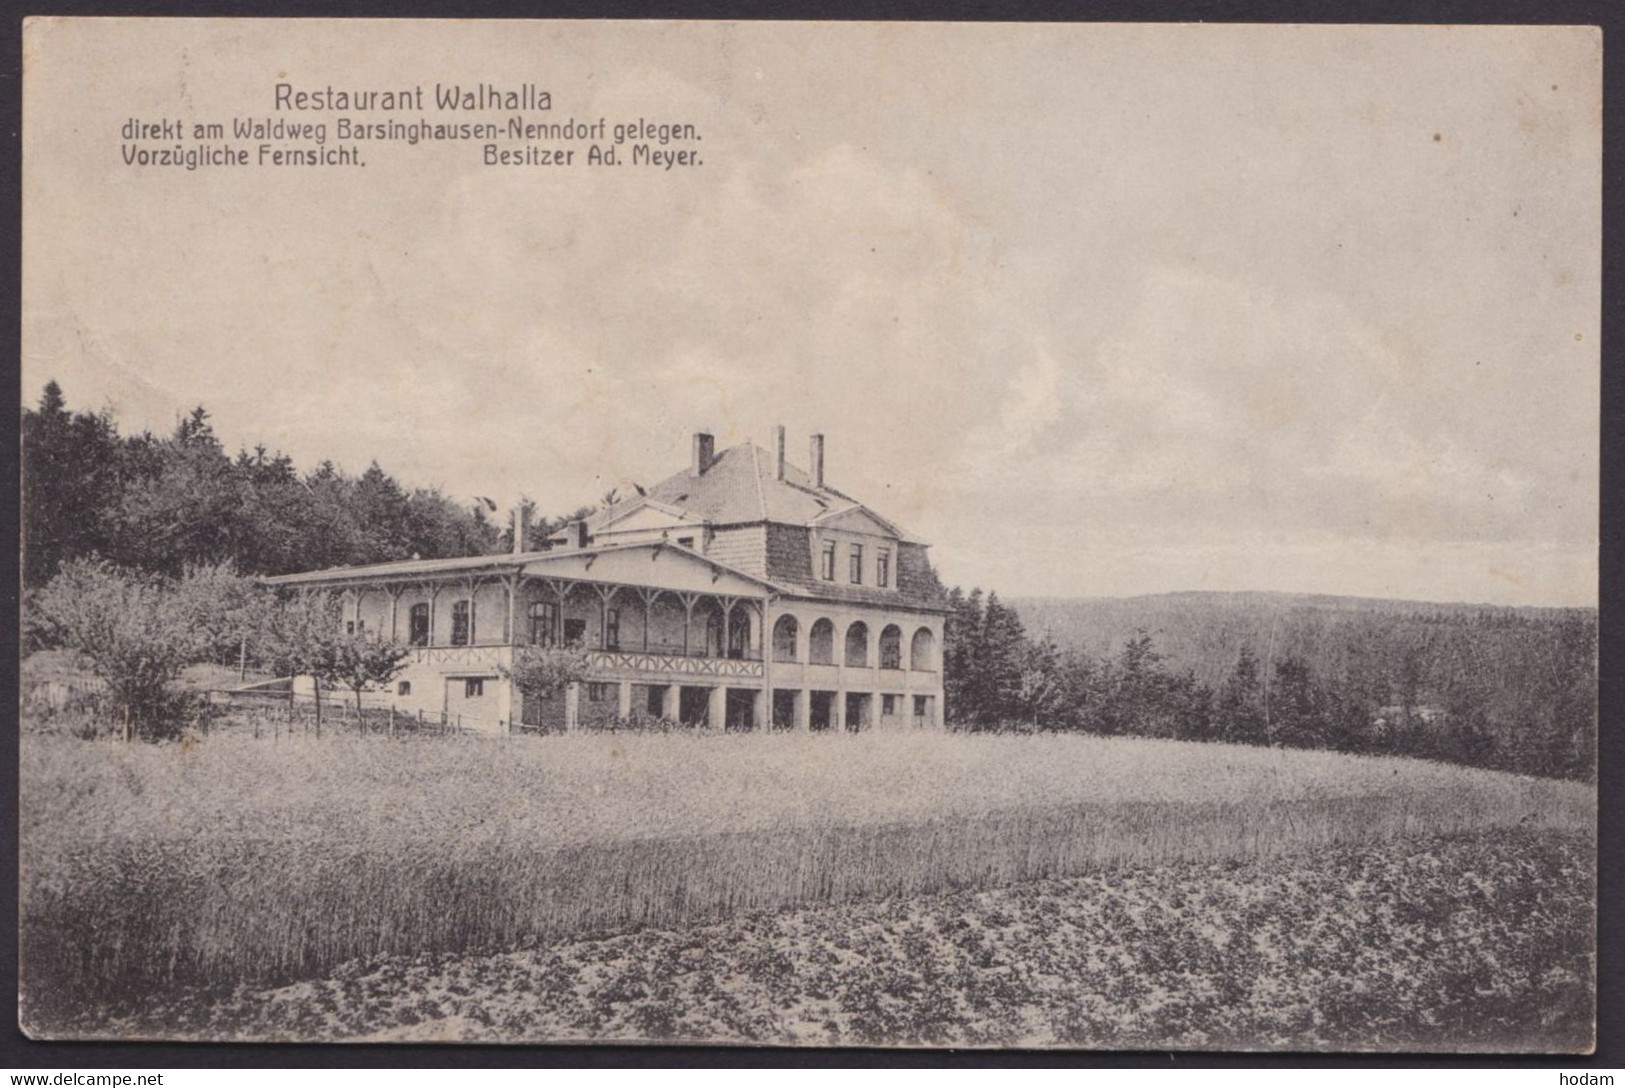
443, 96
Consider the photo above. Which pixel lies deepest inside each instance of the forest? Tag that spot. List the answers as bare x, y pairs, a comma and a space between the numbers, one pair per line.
163, 503
1505, 688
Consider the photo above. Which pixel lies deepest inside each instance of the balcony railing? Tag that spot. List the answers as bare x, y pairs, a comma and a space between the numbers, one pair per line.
675, 664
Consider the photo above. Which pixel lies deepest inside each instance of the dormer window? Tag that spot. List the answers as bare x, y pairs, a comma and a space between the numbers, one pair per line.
855, 567
883, 568
828, 568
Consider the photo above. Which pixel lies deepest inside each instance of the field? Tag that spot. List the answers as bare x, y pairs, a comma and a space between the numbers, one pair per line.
206, 877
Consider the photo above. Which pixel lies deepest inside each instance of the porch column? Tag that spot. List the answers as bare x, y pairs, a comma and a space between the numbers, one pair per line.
727, 617
511, 584
434, 597
717, 712
671, 703
759, 710
625, 708
572, 707
394, 613
803, 715
605, 596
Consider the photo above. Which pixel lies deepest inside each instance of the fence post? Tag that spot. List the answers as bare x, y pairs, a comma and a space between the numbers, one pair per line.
459, 723
391, 721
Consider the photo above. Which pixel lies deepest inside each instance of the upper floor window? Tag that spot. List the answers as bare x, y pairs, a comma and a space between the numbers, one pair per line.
419, 635
828, 569
883, 568
459, 624
544, 623
855, 565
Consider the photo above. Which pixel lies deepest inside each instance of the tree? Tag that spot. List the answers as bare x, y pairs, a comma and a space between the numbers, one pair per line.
1041, 688
294, 635
358, 661
70, 481
1240, 716
136, 631
542, 672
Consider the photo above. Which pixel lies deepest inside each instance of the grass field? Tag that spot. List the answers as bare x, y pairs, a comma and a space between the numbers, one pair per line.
149, 870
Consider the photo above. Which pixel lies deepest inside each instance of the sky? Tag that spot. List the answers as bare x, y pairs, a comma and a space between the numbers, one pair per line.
1096, 310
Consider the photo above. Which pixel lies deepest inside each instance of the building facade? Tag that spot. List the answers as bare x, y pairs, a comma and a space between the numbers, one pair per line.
741, 593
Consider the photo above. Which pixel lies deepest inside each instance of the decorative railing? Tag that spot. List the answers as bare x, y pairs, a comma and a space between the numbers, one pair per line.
489, 655
675, 664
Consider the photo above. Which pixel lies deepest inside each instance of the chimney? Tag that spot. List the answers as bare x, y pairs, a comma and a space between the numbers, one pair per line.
778, 447
704, 449
578, 534
521, 528
816, 456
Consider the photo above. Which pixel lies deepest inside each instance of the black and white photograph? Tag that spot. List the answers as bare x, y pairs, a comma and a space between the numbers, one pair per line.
934, 535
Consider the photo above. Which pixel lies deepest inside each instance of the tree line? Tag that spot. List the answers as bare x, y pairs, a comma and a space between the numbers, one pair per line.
1458, 708
164, 503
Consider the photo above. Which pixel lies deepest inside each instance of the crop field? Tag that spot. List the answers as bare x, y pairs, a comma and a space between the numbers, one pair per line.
1457, 943
150, 873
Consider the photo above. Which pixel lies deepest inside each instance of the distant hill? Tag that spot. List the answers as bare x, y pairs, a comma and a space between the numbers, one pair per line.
1391, 649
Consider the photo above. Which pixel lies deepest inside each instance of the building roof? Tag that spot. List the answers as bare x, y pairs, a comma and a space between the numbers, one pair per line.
740, 486
535, 564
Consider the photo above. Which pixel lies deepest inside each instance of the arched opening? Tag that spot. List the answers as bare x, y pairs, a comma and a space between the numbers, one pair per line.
784, 638
460, 631
857, 645
891, 647
923, 651
821, 643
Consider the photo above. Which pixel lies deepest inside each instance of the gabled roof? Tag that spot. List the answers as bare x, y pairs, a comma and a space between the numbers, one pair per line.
741, 486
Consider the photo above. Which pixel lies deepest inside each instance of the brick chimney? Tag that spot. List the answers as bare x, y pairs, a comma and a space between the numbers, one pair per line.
816, 455
778, 450
704, 453
521, 527
578, 534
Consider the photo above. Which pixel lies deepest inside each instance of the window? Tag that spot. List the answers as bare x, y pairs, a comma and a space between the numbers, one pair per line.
888, 705
420, 625
685, 542
403, 688
612, 629
922, 706
474, 687
459, 624
828, 568
349, 627
883, 568
544, 623
597, 693
855, 566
